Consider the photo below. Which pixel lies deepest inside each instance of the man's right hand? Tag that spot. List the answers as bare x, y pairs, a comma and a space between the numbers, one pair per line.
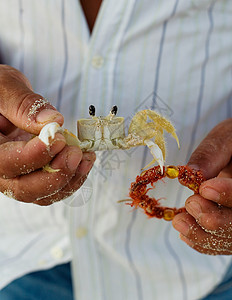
22, 156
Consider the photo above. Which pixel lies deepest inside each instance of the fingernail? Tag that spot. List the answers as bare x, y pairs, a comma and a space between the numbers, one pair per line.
194, 209
48, 115
210, 194
73, 160
182, 227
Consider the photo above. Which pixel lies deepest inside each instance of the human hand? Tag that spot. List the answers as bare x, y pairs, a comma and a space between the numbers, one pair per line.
207, 224
22, 156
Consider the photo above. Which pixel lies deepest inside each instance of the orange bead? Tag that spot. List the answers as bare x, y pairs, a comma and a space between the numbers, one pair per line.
172, 172
168, 214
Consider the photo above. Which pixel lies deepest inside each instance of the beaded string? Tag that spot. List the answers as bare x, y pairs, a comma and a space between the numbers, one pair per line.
138, 192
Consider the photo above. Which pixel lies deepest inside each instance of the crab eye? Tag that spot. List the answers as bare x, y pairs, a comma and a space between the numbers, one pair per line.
92, 110
114, 110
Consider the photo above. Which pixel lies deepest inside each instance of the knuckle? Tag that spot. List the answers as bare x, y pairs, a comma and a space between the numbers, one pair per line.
25, 105
8, 73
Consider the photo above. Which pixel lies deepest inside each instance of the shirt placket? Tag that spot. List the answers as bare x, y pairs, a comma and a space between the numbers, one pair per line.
97, 87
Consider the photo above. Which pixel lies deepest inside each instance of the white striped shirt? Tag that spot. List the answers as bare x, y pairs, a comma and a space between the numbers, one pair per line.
180, 50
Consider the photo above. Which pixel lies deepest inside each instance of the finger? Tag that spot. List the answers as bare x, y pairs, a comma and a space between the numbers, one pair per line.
74, 184
62, 194
21, 106
226, 172
214, 152
6, 126
87, 162
210, 216
218, 190
207, 248
39, 184
19, 158
197, 237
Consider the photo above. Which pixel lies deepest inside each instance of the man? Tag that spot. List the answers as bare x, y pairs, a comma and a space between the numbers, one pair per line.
170, 49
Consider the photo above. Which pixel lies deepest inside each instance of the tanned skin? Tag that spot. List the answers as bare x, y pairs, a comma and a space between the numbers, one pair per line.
91, 9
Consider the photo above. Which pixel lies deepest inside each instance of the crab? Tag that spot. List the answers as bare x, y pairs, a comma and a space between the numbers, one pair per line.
108, 133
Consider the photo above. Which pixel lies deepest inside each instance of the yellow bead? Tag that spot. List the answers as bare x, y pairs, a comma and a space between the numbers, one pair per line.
172, 172
193, 186
168, 214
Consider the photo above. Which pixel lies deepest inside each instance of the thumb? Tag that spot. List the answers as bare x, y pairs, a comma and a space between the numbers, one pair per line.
215, 151
20, 105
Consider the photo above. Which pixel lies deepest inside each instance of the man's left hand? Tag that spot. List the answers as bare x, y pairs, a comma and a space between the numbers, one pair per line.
207, 224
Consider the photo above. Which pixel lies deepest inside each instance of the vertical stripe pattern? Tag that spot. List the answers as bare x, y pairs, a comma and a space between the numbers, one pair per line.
202, 78
198, 110
60, 91
156, 54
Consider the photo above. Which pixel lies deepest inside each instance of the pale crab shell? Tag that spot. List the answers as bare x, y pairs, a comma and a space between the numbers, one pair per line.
89, 132
86, 128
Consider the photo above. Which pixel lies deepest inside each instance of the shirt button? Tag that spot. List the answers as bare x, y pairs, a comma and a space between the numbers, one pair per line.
42, 263
57, 252
97, 61
81, 232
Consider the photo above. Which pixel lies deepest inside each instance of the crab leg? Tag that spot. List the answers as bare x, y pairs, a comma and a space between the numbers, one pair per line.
163, 123
156, 153
49, 130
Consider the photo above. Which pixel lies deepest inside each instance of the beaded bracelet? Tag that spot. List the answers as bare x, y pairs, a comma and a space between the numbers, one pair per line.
138, 192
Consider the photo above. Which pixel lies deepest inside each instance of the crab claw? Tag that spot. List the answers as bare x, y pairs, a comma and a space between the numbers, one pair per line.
156, 153
48, 132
